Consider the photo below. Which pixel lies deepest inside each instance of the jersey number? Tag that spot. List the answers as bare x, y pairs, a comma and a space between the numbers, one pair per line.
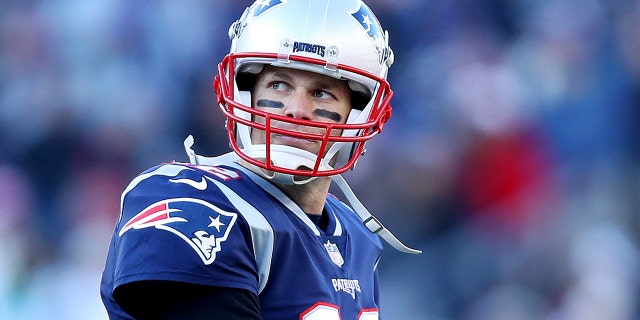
325, 311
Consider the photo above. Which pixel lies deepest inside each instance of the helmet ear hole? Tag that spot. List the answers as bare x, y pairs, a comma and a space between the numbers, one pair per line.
245, 81
359, 100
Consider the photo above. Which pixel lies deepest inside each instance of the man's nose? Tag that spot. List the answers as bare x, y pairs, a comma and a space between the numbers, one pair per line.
299, 106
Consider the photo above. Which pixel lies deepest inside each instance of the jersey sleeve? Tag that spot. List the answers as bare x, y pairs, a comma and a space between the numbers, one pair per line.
177, 225
168, 300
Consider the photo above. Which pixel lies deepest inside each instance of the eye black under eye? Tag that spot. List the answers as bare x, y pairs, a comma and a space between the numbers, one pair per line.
328, 114
269, 104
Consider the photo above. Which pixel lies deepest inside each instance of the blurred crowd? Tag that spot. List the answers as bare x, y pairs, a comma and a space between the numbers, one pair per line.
512, 158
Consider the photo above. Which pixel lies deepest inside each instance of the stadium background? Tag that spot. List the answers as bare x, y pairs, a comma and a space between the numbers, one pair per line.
511, 159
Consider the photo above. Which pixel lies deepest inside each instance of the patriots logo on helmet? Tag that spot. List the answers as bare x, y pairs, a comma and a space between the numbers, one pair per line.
199, 223
259, 7
371, 26
367, 20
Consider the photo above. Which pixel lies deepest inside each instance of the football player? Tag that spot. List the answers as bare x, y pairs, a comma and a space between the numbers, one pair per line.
255, 234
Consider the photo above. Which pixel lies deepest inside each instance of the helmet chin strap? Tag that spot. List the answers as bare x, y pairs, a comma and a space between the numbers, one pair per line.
365, 216
285, 157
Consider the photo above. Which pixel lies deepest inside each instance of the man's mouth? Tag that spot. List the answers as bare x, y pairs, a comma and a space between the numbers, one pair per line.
291, 141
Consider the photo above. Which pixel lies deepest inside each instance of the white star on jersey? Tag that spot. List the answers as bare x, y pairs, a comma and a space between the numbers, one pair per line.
215, 223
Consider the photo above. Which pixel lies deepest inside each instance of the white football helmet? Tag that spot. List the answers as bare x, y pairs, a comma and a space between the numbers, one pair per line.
342, 39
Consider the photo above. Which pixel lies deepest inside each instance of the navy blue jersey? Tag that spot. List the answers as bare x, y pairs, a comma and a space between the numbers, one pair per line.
226, 226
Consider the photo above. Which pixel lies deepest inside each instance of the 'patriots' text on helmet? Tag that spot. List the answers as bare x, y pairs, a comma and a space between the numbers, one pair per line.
340, 39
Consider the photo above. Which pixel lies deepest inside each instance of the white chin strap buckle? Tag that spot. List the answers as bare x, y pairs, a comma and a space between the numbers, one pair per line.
286, 157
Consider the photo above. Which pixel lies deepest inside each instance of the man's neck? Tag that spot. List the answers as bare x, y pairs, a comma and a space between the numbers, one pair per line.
310, 196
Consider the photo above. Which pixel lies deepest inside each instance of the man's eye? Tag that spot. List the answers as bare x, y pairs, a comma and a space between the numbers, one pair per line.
278, 86
322, 94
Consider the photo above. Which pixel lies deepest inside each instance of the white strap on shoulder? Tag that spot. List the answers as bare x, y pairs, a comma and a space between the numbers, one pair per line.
371, 222
209, 161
